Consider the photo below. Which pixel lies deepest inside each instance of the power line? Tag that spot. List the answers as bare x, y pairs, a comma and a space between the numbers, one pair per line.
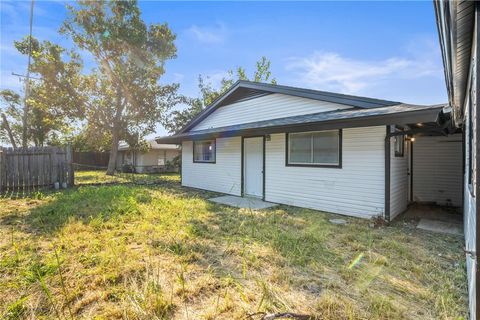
22, 76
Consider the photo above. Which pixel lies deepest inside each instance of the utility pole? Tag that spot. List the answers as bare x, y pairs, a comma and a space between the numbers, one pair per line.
27, 84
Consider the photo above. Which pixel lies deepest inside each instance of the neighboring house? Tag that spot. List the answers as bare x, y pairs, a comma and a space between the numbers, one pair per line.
158, 158
458, 26
321, 150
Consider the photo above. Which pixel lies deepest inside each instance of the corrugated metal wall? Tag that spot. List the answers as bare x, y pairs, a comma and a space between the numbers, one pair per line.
437, 169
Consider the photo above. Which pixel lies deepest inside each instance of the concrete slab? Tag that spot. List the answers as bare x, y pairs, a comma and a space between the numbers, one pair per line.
441, 226
243, 202
338, 221
433, 212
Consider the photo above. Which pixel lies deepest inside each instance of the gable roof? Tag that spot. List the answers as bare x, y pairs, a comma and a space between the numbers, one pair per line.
404, 114
243, 90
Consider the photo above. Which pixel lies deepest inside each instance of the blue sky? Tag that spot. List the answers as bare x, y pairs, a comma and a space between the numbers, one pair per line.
378, 49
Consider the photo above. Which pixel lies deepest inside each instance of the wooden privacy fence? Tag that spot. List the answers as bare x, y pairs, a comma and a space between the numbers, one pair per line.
27, 169
90, 160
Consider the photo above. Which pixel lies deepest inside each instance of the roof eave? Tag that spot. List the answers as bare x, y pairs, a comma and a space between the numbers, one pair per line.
455, 22
401, 118
349, 100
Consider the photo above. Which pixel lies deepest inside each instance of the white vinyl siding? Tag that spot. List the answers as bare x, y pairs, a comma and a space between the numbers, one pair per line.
223, 176
398, 179
356, 189
267, 107
437, 169
469, 198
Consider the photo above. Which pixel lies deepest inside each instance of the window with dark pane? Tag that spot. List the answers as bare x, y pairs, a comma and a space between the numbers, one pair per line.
204, 151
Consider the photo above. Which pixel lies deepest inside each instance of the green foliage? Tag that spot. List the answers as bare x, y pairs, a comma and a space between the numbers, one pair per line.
126, 99
174, 164
59, 90
10, 110
180, 118
54, 101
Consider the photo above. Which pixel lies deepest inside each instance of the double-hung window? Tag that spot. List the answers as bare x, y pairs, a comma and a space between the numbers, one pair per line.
316, 148
204, 151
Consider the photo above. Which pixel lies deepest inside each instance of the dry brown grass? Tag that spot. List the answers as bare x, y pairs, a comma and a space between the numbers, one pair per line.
162, 251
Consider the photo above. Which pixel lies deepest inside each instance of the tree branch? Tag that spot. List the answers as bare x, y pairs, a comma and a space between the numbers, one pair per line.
6, 125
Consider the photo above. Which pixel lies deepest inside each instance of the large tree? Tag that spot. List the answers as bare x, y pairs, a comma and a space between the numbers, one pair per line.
126, 97
53, 101
177, 119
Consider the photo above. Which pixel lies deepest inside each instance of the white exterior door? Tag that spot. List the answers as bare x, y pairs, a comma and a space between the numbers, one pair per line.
253, 166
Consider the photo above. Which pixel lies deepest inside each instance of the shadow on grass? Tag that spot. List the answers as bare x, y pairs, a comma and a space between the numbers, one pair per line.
288, 242
289, 232
92, 203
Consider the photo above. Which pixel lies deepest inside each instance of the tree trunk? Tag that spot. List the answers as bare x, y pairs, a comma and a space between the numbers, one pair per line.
9, 131
112, 161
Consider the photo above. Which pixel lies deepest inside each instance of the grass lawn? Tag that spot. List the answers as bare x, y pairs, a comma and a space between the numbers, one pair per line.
159, 251
99, 177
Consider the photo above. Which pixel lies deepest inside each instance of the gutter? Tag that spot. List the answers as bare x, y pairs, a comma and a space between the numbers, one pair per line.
256, 128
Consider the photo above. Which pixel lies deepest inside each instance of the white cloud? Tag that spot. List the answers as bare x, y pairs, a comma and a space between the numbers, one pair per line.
209, 35
334, 72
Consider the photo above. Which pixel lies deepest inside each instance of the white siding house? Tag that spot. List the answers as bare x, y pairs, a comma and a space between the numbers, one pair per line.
223, 176
306, 148
356, 189
156, 159
265, 108
398, 179
459, 31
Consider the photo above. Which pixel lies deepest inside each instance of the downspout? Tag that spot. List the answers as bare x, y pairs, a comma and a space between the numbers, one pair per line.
476, 72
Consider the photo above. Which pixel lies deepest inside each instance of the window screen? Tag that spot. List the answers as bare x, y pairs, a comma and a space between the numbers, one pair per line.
204, 151
314, 148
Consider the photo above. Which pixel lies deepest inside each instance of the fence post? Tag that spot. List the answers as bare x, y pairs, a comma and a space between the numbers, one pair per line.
53, 165
71, 174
